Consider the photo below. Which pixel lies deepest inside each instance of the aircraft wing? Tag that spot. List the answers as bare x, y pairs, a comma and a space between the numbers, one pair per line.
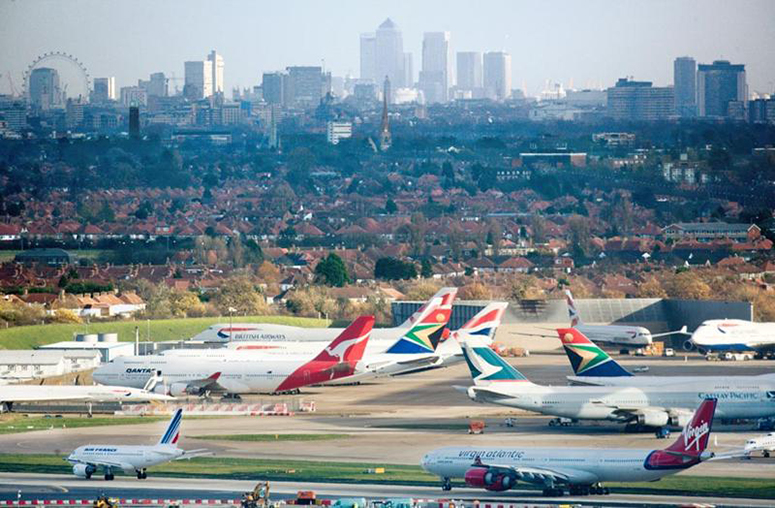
484, 394
202, 386
192, 454
539, 475
125, 466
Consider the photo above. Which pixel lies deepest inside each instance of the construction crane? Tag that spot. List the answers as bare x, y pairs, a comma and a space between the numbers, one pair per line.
11, 85
175, 80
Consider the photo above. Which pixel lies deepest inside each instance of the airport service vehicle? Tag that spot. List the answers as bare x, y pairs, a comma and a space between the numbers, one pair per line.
733, 335
9, 394
581, 471
624, 335
497, 382
261, 333
764, 444
87, 459
593, 366
186, 376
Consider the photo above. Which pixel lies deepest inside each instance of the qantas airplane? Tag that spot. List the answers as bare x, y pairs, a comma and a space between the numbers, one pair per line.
261, 333
581, 471
734, 335
612, 334
88, 458
497, 382
593, 366
244, 374
9, 394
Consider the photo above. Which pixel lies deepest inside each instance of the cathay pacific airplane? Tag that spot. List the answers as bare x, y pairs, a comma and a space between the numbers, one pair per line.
87, 459
593, 366
243, 374
581, 471
498, 382
734, 335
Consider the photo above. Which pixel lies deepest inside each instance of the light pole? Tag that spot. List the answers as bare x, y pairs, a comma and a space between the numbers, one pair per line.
232, 310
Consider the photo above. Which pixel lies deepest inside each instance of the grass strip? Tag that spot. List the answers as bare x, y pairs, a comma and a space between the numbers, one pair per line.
273, 437
14, 423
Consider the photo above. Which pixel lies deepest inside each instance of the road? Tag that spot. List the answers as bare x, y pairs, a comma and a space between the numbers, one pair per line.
69, 487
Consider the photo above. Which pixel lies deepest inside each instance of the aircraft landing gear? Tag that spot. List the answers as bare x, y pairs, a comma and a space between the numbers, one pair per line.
141, 474
109, 476
446, 484
585, 490
553, 492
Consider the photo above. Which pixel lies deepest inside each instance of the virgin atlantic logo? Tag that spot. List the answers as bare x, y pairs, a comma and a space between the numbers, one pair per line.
692, 436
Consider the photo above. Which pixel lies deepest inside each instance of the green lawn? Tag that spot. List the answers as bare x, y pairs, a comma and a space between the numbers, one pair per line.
10, 424
273, 437
27, 337
346, 472
93, 254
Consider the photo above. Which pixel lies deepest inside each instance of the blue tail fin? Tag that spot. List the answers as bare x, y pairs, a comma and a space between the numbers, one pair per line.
586, 358
172, 433
486, 365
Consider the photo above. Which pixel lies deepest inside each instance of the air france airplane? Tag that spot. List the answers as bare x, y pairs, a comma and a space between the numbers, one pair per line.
10, 394
187, 376
581, 471
593, 366
87, 459
497, 382
734, 335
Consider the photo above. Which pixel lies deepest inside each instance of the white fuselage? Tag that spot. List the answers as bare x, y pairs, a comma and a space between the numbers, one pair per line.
616, 334
761, 443
734, 335
754, 400
271, 333
96, 393
582, 466
645, 381
239, 374
130, 457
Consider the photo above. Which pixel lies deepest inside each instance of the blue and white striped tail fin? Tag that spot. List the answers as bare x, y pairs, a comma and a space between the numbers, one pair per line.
171, 435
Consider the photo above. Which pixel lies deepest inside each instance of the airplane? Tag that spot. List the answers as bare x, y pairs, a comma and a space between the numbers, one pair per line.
11, 394
581, 471
764, 444
613, 334
88, 458
733, 335
244, 374
498, 382
262, 333
593, 366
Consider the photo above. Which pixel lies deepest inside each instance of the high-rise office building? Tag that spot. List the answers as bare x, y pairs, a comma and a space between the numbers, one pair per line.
199, 80
685, 86
385, 138
216, 62
434, 76
104, 90
45, 92
306, 86
389, 46
469, 70
157, 85
408, 70
718, 84
497, 74
639, 101
134, 122
369, 56
273, 85
134, 96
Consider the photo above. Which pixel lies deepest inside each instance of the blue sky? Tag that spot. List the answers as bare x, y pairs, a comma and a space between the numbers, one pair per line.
590, 42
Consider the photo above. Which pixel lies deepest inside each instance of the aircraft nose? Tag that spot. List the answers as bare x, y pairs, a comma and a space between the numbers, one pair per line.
99, 375
426, 461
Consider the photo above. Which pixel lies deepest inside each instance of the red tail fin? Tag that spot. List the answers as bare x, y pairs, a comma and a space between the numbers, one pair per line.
350, 344
695, 436
573, 336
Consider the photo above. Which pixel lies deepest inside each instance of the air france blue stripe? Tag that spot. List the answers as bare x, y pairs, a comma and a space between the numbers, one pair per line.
173, 427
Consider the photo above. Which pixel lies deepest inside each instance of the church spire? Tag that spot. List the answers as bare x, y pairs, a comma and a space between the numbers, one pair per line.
385, 140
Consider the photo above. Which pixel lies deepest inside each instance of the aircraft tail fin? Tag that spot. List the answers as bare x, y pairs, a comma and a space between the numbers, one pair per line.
586, 358
426, 331
696, 435
485, 323
486, 365
575, 318
172, 434
349, 345
447, 295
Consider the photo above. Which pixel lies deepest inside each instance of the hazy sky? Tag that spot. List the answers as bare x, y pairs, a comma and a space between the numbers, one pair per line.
590, 42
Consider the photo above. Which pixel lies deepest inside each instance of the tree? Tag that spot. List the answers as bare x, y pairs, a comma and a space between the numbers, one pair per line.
239, 293
687, 285
106, 213
268, 273
538, 229
300, 164
332, 271
426, 269
474, 291
185, 304
651, 288
394, 269
391, 207
580, 236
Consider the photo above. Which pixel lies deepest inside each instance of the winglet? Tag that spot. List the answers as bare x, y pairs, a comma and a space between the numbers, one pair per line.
214, 377
586, 358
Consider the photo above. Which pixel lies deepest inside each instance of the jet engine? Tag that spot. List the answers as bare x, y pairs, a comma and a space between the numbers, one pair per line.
653, 419
491, 479
84, 470
688, 345
179, 389
681, 419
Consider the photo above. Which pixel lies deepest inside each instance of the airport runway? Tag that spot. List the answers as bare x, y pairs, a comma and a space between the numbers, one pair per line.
69, 487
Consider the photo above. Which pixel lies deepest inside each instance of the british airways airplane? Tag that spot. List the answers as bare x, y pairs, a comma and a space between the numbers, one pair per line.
88, 458
582, 471
734, 335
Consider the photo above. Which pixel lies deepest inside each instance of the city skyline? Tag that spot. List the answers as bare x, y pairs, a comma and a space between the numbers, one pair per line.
609, 39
